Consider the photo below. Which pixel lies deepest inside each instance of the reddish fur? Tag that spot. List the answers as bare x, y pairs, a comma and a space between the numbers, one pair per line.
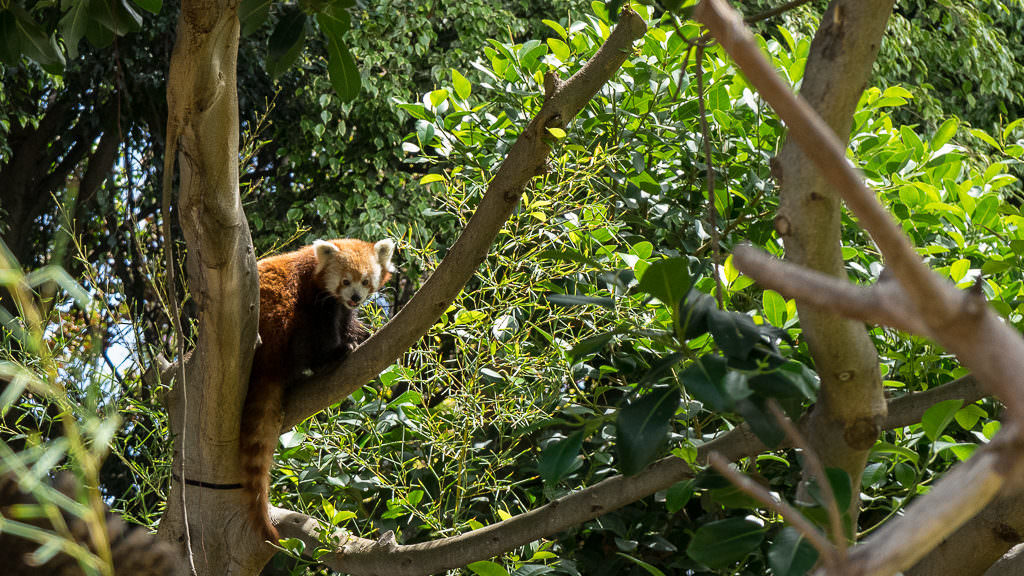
302, 327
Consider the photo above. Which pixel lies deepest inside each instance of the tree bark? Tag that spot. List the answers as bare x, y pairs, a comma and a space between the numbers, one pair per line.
209, 523
845, 422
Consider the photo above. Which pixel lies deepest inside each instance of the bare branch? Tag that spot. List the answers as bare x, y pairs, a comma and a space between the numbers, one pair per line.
907, 410
961, 494
829, 554
884, 304
526, 159
813, 463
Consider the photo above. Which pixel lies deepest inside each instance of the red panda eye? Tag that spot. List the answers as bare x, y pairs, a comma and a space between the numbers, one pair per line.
345, 282
366, 282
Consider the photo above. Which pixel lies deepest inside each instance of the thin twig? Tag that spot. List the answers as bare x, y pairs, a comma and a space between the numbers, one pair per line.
716, 249
812, 461
792, 515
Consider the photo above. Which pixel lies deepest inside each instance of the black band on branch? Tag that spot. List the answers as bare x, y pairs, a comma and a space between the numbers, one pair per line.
210, 485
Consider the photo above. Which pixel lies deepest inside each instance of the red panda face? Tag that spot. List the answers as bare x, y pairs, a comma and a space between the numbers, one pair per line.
351, 270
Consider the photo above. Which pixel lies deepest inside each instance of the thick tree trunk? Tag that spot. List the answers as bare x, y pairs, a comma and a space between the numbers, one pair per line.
207, 520
851, 408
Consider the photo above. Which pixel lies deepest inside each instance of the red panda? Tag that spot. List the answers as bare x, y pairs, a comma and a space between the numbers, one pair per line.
308, 301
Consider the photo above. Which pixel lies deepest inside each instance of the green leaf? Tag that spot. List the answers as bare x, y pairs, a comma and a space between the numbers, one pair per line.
959, 269
774, 307
577, 300
968, 416
10, 45
487, 568
438, 96
938, 417
735, 333
694, 312
984, 137
559, 49
462, 86
945, 133
35, 44
911, 139
558, 133
678, 495
286, 42
986, 212
642, 427
704, 380
648, 567
252, 14
559, 458
791, 554
839, 481
556, 27
725, 542
667, 280
116, 16
431, 178
151, 6
73, 25
590, 345
340, 65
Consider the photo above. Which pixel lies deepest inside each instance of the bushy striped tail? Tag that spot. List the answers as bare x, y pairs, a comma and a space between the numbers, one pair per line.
261, 426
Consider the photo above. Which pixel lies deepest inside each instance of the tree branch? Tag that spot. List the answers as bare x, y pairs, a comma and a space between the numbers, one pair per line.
363, 556
525, 160
884, 304
960, 495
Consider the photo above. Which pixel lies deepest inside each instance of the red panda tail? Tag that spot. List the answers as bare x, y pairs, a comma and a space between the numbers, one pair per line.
261, 426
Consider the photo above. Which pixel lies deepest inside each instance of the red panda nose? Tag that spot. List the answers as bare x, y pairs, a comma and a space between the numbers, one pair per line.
356, 297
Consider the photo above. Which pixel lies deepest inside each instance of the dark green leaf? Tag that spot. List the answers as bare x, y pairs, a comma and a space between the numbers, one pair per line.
662, 368
340, 64
642, 427
577, 300
667, 280
678, 495
735, 333
693, 313
705, 381
35, 44
762, 422
73, 26
10, 45
936, 418
839, 481
117, 16
791, 554
725, 542
252, 14
151, 6
286, 42
559, 458
590, 345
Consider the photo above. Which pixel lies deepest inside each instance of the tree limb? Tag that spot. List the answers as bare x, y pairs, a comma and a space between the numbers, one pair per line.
525, 160
365, 556
960, 495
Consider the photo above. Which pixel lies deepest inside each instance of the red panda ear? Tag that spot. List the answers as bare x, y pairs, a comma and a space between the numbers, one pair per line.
384, 249
324, 252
